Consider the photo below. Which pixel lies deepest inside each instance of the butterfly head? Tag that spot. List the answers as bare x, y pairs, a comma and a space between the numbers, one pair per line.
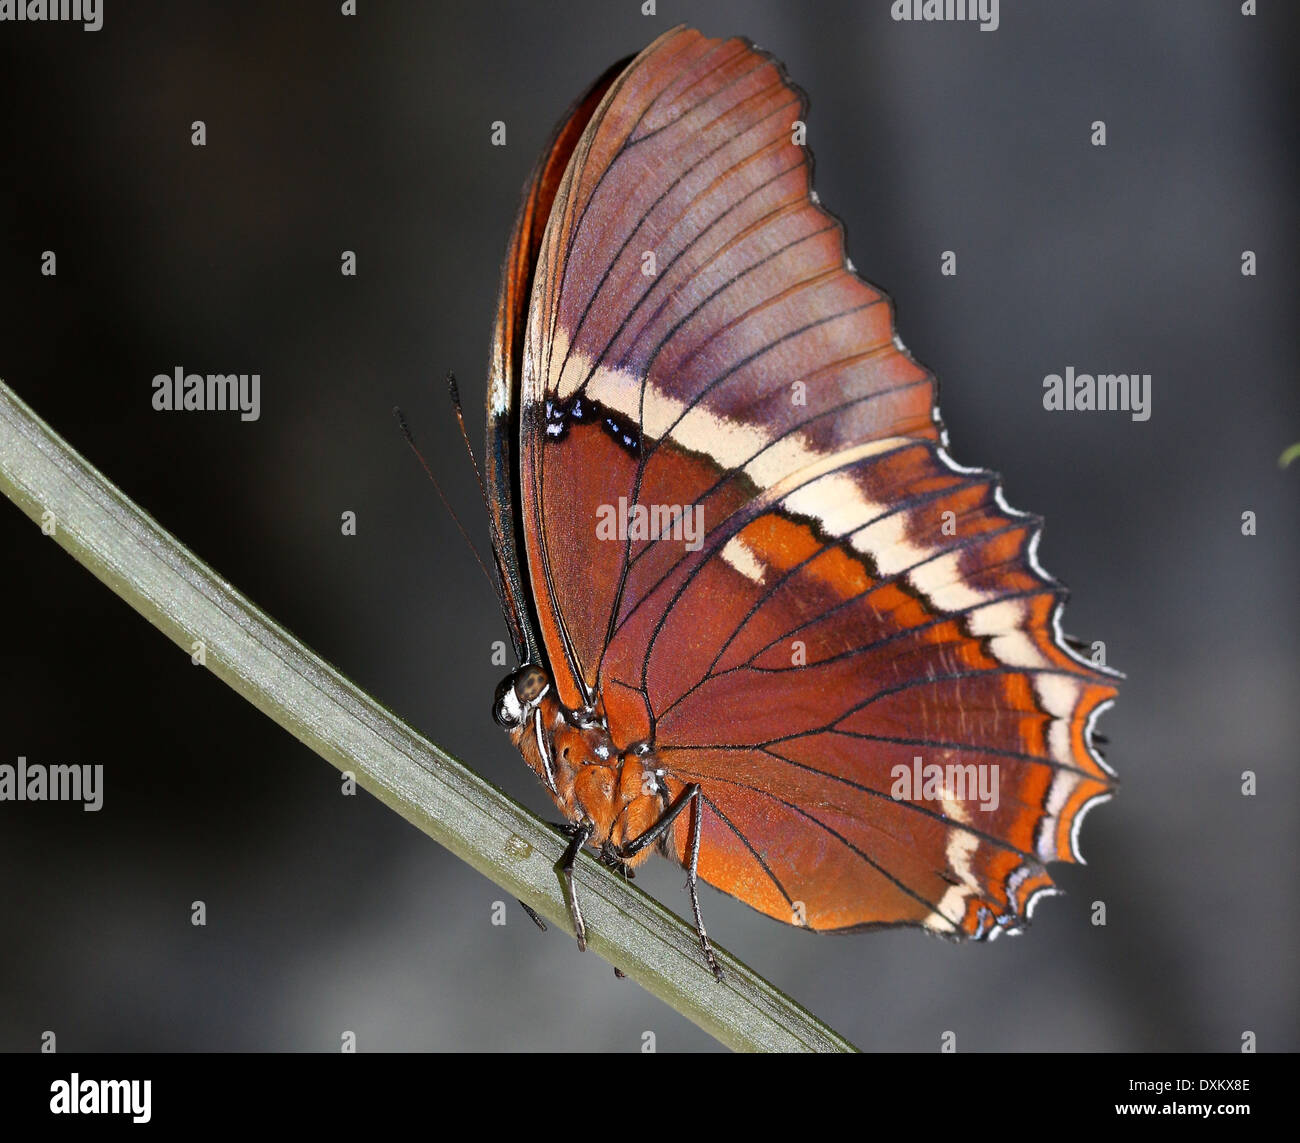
518, 695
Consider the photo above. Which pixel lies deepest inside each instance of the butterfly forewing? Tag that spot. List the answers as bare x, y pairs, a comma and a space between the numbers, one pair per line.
507, 355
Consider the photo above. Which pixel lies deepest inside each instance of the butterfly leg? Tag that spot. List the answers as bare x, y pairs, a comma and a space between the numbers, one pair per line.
688, 797
610, 858
661, 827
692, 881
532, 913
581, 835
567, 829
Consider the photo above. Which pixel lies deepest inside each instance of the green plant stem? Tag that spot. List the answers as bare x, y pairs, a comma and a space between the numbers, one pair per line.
186, 600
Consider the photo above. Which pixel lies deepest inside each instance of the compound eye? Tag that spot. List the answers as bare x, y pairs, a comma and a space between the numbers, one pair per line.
517, 696
530, 684
506, 707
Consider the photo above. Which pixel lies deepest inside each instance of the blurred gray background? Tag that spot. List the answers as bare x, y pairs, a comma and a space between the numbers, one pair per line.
371, 133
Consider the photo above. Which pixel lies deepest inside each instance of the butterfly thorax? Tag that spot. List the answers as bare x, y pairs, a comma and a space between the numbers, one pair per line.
574, 756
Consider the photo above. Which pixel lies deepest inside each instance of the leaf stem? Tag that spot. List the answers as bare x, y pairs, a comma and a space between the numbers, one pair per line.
186, 600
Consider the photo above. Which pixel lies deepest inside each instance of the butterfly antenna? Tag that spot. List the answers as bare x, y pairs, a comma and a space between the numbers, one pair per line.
454, 390
502, 581
410, 440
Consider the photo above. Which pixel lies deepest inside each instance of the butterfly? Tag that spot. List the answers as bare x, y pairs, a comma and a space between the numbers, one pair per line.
766, 626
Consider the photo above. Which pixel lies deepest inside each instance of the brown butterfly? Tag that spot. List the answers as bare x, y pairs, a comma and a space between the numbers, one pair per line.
766, 625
